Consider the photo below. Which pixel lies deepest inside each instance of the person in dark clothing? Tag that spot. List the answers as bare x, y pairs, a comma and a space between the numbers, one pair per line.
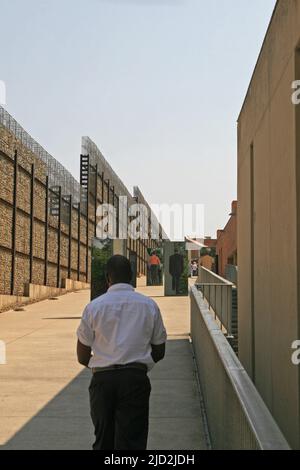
176, 268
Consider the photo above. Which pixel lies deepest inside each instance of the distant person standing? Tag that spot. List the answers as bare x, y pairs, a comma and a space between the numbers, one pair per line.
194, 269
154, 263
176, 268
120, 338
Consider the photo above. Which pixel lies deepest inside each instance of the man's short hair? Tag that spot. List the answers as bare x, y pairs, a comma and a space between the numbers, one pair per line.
119, 270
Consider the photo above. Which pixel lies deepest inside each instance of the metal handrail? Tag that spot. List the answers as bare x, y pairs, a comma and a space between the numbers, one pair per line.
237, 416
205, 275
219, 298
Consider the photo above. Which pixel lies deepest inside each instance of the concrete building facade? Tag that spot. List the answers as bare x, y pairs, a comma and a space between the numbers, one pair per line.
269, 221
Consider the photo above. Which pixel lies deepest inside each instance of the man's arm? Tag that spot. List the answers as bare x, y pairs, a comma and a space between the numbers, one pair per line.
159, 337
84, 354
85, 335
158, 352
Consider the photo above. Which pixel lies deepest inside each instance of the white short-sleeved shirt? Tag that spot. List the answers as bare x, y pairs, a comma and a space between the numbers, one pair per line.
120, 327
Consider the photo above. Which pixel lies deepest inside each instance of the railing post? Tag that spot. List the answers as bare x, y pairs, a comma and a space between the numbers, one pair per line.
31, 223
78, 241
87, 235
215, 306
96, 199
14, 225
102, 188
222, 298
229, 311
70, 239
108, 191
59, 237
46, 231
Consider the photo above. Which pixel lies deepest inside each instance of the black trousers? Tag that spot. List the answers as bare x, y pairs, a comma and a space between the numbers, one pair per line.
119, 403
176, 283
154, 274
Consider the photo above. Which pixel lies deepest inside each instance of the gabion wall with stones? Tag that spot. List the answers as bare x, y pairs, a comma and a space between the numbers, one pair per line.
79, 267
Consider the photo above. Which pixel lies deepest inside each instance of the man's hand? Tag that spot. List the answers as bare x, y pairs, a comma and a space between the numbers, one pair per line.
158, 352
84, 354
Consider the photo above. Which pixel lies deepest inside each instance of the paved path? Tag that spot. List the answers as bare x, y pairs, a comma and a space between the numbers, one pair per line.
43, 392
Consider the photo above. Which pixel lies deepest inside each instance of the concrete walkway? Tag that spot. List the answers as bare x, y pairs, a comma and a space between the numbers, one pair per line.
43, 392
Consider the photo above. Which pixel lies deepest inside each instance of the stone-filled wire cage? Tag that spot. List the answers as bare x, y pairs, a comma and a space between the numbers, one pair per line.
47, 218
57, 173
42, 233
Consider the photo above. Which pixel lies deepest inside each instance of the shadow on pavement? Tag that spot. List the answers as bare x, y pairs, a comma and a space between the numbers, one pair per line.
63, 424
175, 414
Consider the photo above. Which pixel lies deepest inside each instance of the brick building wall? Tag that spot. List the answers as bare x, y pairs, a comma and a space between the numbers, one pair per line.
227, 243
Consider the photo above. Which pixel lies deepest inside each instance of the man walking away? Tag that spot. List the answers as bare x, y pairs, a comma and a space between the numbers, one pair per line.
121, 337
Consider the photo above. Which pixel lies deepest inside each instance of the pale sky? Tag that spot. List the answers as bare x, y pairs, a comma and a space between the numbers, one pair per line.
157, 84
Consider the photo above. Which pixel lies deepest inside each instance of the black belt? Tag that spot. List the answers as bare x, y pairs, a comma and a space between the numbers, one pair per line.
133, 365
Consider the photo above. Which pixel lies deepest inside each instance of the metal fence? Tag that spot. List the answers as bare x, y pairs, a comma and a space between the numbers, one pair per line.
238, 419
88, 147
218, 292
57, 173
219, 298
